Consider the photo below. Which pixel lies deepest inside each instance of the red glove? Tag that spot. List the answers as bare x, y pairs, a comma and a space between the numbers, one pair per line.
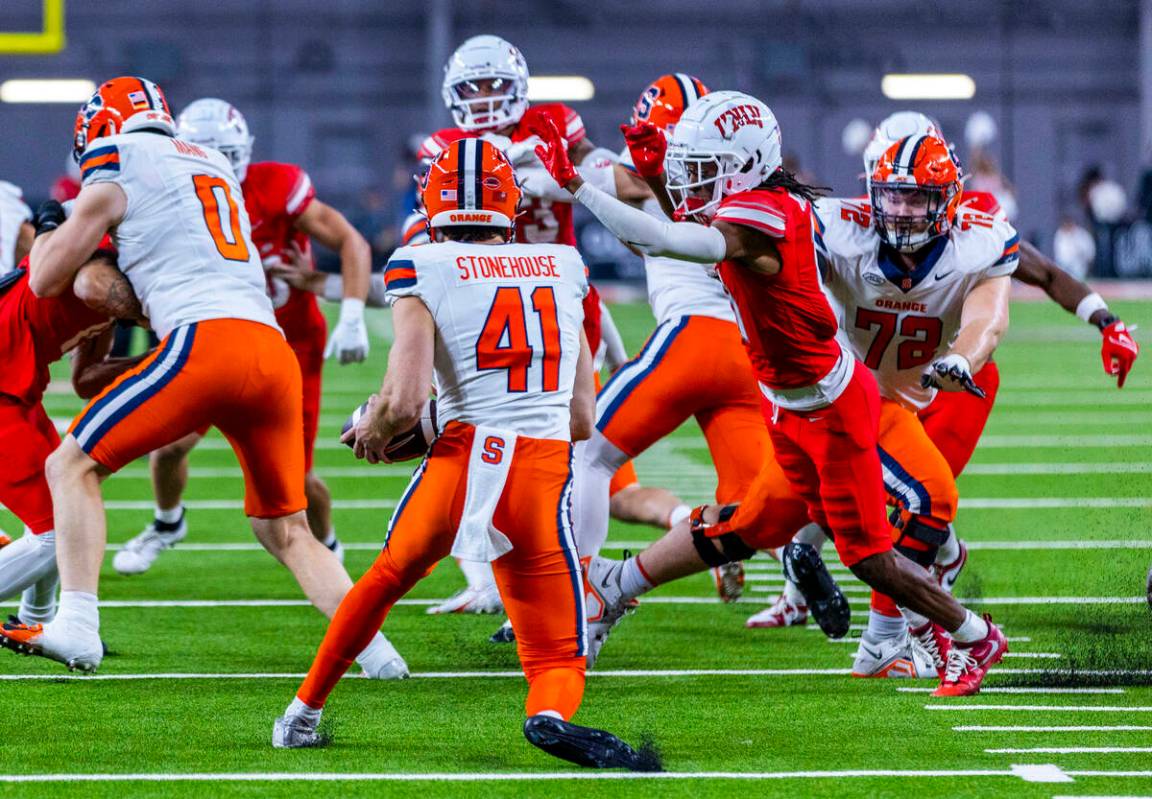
1118, 352
552, 150
647, 145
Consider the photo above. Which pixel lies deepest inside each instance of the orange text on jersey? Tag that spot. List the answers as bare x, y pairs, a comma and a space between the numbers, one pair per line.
902, 305
502, 267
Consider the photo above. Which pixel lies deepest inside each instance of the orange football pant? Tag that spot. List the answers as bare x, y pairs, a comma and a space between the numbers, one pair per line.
539, 579
626, 474
917, 477
955, 419
238, 376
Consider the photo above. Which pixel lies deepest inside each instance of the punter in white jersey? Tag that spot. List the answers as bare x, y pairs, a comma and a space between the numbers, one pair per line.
920, 285
176, 214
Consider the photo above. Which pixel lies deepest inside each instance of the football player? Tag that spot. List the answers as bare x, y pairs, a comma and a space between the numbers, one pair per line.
176, 214
500, 326
725, 168
16, 230
954, 421
285, 216
35, 332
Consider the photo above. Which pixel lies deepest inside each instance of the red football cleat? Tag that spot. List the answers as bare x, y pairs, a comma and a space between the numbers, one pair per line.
968, 663
78, 654
935, 642
5, 539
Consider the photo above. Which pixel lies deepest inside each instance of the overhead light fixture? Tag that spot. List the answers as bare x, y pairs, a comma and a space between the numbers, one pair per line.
46, 90
928, 86
560, 88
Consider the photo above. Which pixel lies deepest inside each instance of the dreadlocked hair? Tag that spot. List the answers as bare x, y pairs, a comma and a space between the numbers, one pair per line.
783, 179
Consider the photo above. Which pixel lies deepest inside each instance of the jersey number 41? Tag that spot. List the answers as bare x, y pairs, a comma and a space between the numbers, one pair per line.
503, 343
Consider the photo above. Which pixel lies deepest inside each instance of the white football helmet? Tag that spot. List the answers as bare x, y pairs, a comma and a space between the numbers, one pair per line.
892, 129
727, 140
494, 61
217, 124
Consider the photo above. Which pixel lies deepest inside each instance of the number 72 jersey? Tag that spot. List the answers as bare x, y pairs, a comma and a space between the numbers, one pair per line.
896, 322
508, 320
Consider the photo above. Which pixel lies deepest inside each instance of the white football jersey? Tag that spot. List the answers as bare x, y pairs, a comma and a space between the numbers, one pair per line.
508, 321
13, 214
680, 288
894, 321
185, 242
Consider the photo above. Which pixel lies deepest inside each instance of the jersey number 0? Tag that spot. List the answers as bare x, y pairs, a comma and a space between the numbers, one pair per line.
503, 343
226, 233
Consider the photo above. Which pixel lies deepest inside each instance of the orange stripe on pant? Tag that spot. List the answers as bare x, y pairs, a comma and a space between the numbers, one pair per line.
624, 476
691, 366
539, 580
238, 376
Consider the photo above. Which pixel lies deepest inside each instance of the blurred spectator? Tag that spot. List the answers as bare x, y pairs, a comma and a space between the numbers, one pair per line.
1145, 201
985, 175
67, 186
1103, 199
1074, 248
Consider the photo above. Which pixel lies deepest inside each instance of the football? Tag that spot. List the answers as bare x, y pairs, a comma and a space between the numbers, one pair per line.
412, 443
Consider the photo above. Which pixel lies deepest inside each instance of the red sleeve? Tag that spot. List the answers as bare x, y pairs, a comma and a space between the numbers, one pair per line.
758, 210
567, 121
438, 141
281, 189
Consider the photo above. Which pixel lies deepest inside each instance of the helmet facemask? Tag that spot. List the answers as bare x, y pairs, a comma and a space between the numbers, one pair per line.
689, 176
487, 102
908, 216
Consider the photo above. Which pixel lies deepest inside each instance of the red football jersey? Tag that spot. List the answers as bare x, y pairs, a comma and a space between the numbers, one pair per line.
37, 331
276, 195
984, 202
540, 222
787, 324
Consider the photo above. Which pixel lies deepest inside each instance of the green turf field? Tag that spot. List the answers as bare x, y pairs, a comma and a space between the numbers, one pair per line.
211, 643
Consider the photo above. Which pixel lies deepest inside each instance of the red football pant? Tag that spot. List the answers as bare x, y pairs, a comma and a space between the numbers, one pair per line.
955, 420
539, 580
27, 438
829, 456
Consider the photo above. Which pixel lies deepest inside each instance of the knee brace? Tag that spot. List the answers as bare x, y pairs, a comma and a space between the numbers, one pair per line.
919, 541
716, 544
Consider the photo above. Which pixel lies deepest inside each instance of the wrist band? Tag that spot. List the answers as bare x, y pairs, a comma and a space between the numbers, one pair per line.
1090, 305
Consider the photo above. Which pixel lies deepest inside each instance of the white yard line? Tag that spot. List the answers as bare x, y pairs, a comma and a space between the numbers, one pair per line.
1027, 773
1070, 750
234, 504
1075, 728
1045, 708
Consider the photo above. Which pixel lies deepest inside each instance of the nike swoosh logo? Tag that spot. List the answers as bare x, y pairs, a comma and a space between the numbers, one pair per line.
870, 653
941, 277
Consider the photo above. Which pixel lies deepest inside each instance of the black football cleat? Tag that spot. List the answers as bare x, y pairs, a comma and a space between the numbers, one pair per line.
826, 602
504, 635
587, 746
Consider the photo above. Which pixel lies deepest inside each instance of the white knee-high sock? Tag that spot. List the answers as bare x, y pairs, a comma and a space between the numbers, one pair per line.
596, 460
25, 561
38, 602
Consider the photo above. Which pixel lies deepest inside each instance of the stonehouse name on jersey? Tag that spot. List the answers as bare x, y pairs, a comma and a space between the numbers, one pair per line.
480, 267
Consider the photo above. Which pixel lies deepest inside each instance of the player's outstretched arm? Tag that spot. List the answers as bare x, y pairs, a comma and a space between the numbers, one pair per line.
983, 322
328, 226
92, 370
62, 245
1118, 350
647, 145
583, 406
404, 390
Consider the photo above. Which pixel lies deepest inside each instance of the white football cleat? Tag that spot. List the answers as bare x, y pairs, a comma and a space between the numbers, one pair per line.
891, 657
79, 650
139, 553
604, 602
381, 661
782, 613
296, 732
948, 573
482, 599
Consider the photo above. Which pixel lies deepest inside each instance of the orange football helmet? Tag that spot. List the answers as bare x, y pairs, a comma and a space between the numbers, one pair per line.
665, 99
470, 183
915, 192
121, 105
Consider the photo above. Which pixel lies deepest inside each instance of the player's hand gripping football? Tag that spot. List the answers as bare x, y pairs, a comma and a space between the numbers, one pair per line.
367, 436
1118, 352
647, 146
552, 150
350, 338
951, 373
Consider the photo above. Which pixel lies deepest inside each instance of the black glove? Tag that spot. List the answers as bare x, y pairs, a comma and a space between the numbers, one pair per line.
49, 216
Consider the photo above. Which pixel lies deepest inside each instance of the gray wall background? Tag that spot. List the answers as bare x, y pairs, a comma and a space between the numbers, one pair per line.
339, 86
